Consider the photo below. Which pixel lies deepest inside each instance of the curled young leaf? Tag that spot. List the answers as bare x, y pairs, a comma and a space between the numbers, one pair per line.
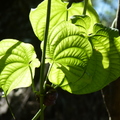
84, 23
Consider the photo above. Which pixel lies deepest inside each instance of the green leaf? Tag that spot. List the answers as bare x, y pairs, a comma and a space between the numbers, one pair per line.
59, 13
68, 52
84, 23
104, 65
16, 60
81, 64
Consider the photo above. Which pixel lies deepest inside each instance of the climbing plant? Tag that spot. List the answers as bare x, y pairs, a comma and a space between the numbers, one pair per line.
83, 55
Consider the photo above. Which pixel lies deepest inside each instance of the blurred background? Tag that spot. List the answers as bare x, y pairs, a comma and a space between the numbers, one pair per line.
14, 23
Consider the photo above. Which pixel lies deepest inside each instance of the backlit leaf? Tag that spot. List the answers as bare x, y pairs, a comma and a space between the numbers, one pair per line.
81, 64
68, 52
16, 60
59, 13
83, 22
104, 65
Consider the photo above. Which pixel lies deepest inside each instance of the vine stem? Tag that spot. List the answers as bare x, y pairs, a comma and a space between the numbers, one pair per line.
85, 7
42, 79
38, 114
33, 85
9, 106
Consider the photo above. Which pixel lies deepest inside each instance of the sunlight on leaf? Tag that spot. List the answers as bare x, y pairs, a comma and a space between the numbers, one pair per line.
16, 58
68, 51
104, 65
59, 13
83, 22
83, 58
81, 64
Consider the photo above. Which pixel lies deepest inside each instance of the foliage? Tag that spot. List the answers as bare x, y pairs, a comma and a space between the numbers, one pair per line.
79, 51
84, 55
83, 64
18, 61
59, 12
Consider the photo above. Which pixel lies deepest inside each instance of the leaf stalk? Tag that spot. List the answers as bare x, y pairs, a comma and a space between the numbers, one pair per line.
85, 7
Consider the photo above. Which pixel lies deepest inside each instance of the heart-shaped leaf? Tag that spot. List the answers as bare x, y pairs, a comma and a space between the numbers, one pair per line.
68, 52
17, 62
59, 13
104, 65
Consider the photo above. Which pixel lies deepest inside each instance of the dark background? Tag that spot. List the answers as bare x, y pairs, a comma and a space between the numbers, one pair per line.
14, 23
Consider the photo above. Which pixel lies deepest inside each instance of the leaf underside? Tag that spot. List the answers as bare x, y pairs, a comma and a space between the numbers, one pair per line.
16, 61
